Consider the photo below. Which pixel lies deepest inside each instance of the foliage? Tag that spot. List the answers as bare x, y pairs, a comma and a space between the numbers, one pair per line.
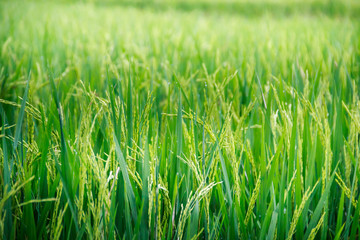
125, 122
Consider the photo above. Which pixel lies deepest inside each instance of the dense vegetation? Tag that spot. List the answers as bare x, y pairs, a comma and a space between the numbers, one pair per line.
154, 120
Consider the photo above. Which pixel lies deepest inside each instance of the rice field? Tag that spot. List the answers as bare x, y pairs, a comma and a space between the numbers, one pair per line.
179, 119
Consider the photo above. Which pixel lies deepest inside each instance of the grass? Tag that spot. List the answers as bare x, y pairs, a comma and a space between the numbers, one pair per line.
178, 121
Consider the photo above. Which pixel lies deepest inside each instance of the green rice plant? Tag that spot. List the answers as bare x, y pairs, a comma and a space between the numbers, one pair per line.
179, 120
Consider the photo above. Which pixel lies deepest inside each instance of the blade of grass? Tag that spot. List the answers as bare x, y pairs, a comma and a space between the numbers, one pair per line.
123, 167
6, 182
317, 213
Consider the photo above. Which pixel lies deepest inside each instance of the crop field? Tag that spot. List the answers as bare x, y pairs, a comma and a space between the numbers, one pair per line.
180, 119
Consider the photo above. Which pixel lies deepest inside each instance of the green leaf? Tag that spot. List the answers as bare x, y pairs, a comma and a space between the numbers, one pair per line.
21, 114
321, 204
123, 168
